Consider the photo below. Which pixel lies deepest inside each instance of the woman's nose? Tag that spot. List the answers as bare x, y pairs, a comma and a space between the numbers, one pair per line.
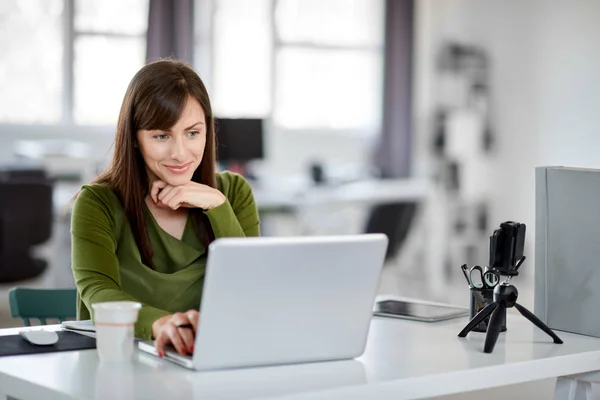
178, 149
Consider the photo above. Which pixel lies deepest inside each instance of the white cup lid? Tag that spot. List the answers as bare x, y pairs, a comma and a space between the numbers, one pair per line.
117, 306
116, 311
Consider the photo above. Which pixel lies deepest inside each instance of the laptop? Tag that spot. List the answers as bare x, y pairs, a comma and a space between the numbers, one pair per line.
282, 300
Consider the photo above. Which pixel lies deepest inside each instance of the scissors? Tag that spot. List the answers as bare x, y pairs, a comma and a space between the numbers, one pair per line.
480, 279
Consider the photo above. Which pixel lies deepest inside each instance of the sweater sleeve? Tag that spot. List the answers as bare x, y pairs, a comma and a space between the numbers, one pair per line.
238, 215
94, 260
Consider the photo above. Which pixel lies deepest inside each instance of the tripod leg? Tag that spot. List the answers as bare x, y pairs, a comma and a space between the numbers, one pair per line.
494, 327
537, 322
481, 315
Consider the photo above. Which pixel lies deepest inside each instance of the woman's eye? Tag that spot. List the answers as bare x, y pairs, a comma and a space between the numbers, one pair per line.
193, 134
161, 137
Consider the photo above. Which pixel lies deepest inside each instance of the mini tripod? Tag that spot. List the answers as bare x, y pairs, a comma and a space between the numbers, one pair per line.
505, 296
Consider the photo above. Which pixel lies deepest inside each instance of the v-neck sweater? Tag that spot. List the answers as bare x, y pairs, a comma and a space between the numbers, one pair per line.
107, 264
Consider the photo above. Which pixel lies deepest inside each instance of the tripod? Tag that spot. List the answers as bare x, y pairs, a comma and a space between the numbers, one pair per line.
505, 296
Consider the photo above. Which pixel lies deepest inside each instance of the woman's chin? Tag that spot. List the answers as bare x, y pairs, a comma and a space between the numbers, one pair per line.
176, 180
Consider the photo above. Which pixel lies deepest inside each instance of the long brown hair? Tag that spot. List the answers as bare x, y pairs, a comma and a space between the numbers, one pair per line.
155, 99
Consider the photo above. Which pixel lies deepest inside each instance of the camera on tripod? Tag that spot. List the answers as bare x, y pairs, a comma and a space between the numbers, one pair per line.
506, 248
506, 256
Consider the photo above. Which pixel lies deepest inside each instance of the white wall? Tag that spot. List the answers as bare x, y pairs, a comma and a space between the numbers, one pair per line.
545, 66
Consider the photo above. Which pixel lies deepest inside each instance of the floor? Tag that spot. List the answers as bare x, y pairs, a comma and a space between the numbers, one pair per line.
401, 276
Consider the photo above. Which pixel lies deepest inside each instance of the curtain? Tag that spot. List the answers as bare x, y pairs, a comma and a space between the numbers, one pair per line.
170, 30
393, 151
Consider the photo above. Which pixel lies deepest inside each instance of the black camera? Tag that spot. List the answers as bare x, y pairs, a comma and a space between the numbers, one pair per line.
506, 247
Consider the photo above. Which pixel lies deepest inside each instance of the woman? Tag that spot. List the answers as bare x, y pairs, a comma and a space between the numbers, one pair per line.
141, 231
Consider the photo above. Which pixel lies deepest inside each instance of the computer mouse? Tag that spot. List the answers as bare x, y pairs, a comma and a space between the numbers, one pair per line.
40, 338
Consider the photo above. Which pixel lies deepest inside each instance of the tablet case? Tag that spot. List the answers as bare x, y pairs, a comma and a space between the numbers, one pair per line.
12, 345
567, 249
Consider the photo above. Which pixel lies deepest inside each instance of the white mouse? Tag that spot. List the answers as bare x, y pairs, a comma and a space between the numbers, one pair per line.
40, 338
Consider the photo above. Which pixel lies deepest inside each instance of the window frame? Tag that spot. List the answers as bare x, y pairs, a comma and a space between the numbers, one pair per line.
66, 126
204, 38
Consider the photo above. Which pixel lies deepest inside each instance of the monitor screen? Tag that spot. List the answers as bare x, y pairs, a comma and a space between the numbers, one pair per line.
239, 139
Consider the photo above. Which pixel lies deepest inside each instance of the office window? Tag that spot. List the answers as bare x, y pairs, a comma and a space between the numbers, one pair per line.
310, 64
328, 64
242, 58
331, 22
31, 74
68, 61
109, 47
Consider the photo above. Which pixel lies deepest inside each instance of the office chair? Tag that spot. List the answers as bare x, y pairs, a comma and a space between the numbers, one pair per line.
395, 221
25, 221
42, 304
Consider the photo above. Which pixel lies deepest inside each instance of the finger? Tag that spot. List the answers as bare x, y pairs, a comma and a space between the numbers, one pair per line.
165, 192
187, 336
176, 339
157, 186
180, 319
174, 201
160, 342
170, 200
193, 316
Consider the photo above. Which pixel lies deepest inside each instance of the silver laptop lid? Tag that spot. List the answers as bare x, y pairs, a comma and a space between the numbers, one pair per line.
269, 301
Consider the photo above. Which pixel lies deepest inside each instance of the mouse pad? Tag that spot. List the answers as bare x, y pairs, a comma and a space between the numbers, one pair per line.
12, 345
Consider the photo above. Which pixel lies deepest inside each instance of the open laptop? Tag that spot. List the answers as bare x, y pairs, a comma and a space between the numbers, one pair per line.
280, 300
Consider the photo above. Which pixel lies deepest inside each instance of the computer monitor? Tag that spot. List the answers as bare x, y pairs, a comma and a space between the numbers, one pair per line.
239, 139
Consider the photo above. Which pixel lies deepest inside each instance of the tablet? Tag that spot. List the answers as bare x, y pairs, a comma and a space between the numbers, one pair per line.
418, 311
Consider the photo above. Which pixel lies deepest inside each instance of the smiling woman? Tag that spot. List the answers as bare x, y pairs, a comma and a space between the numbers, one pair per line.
141, 231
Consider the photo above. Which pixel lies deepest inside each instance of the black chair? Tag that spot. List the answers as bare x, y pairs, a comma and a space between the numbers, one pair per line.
25, 221
395, 221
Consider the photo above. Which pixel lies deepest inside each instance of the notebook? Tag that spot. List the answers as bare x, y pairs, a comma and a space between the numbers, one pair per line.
85, 327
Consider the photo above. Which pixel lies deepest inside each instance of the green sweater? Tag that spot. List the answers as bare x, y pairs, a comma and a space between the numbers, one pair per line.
107, 264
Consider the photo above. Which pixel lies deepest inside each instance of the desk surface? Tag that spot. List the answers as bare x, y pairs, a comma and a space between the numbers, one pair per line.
403, 359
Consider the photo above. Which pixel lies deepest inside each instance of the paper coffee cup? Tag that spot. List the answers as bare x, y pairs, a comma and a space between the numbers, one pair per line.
114, 322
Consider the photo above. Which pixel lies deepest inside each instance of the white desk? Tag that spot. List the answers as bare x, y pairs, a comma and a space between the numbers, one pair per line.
403, 359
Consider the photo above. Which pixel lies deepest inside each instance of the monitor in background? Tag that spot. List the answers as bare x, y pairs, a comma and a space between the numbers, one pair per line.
239, 140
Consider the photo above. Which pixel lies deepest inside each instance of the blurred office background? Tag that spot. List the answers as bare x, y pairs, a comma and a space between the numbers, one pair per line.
421, 119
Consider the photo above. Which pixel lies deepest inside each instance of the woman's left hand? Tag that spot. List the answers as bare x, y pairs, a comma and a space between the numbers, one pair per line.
189, 195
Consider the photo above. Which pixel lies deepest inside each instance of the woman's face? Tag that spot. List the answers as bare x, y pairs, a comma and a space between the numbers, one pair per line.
173, 155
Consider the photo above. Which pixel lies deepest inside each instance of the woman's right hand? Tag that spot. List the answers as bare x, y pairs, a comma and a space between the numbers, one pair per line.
171, 329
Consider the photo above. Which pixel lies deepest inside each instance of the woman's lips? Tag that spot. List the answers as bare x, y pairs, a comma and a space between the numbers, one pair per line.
178, 169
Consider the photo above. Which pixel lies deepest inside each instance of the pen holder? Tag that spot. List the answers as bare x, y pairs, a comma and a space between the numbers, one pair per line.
480, 298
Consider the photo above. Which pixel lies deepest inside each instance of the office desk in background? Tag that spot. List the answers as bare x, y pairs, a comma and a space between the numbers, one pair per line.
403, 359
310, 206
273, 196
